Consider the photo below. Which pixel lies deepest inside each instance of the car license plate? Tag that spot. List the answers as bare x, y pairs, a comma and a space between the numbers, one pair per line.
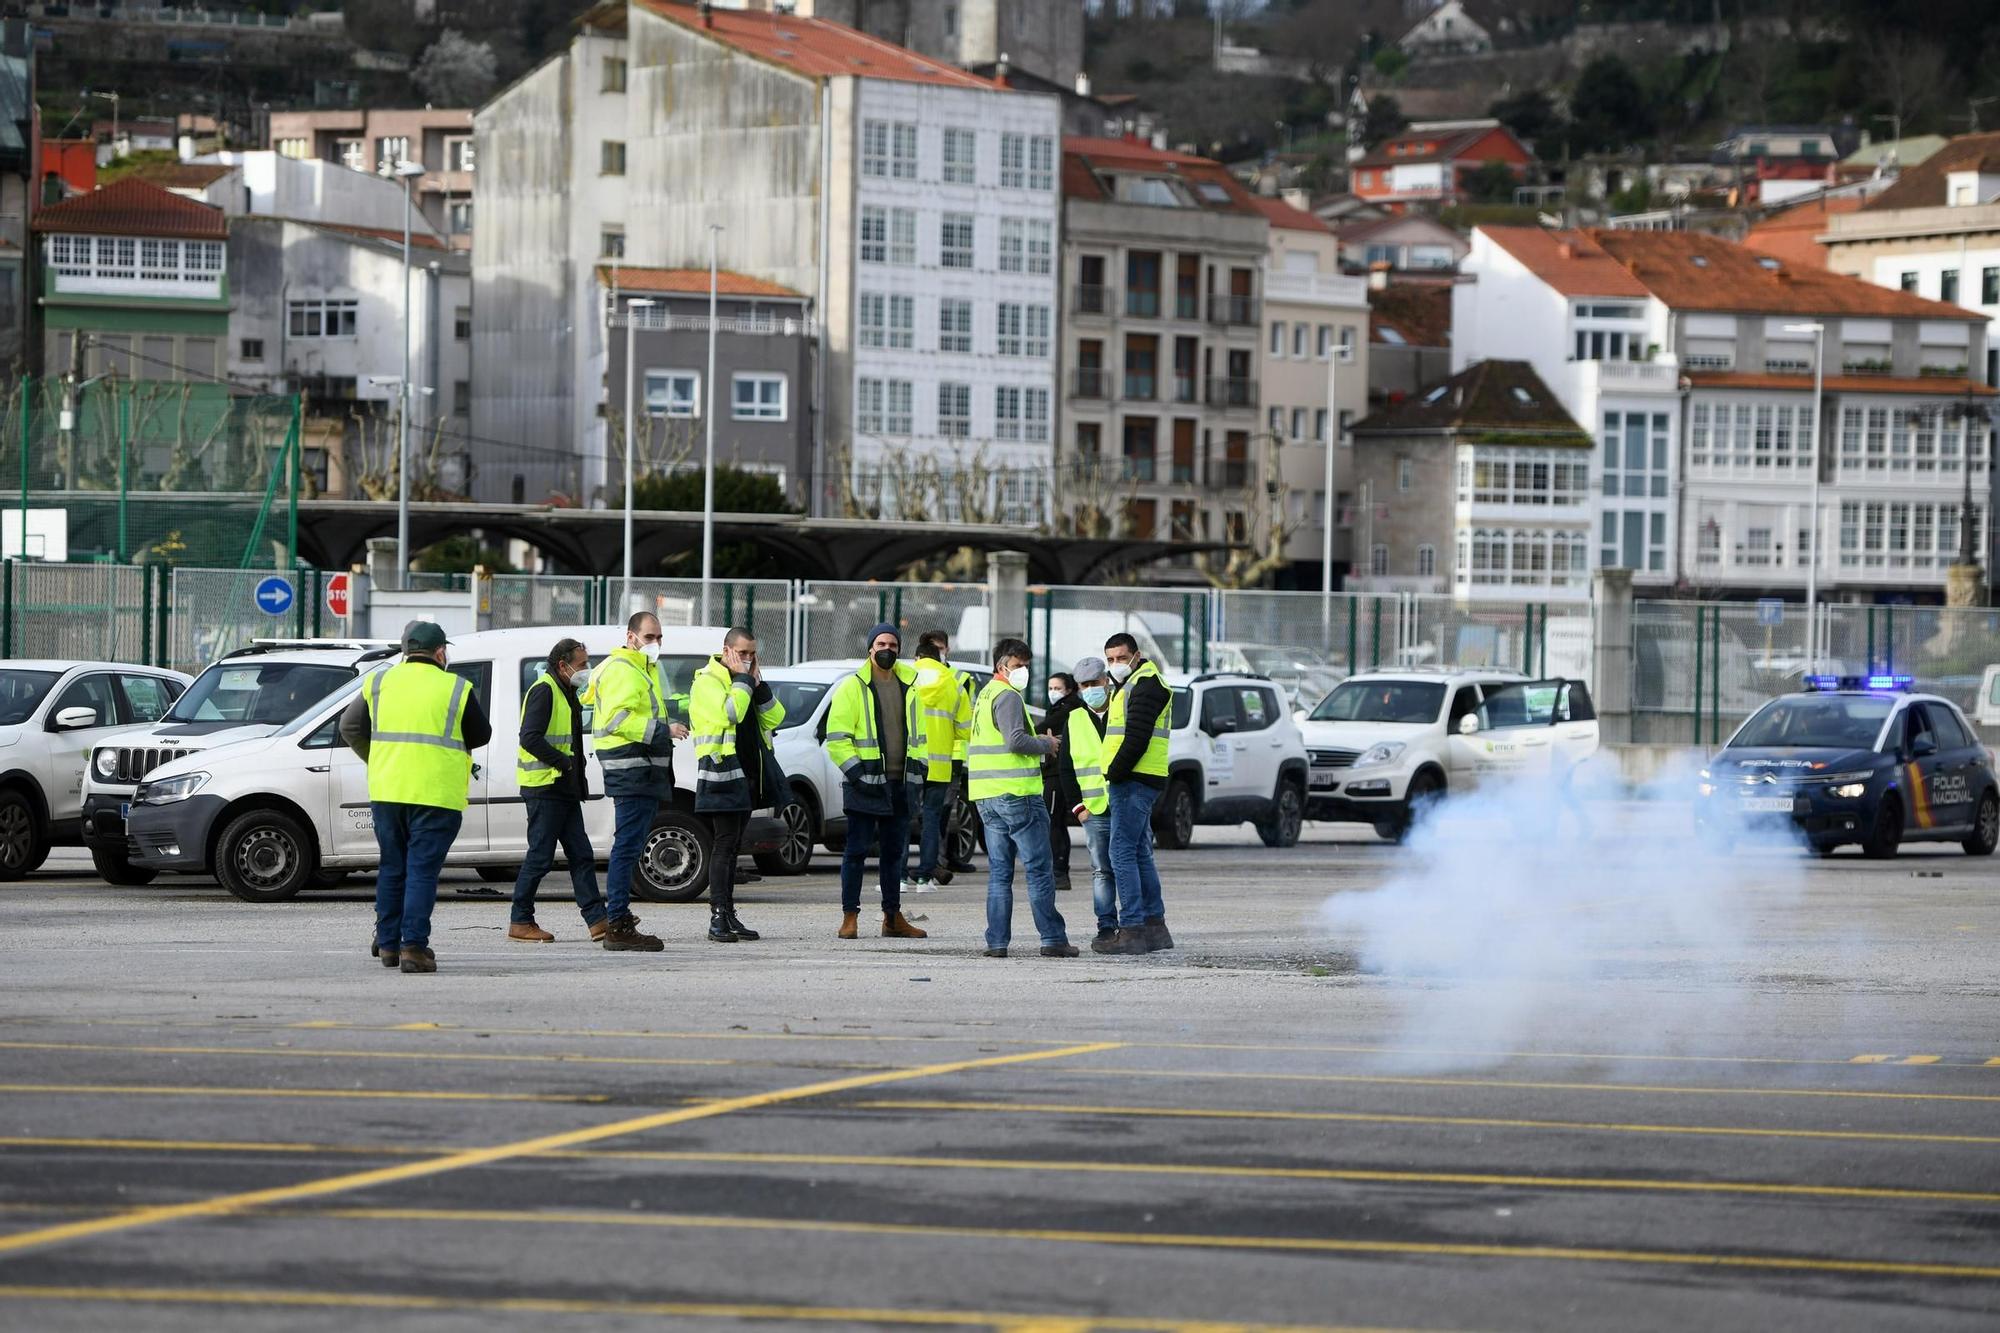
1325, 780
1767, 805
125, 812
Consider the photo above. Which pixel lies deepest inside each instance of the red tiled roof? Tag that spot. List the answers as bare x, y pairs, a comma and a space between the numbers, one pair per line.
1791, 234
691, 282
1420, 313
1923, 185
184, 175
1488, 396
1450, 145
817, 48
133, 207
1569, 261
418, 240
1935, 386
1692, 271
1084, 157
1284, 215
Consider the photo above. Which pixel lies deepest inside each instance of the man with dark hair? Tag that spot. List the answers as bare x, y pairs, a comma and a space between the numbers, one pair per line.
635, 747
940, 718
1004, 768
415, 725
1135, 772
735, 713
554, 786
867, 738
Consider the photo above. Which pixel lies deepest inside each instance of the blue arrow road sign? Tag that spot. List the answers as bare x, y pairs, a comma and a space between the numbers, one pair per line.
1770, 611
274, 595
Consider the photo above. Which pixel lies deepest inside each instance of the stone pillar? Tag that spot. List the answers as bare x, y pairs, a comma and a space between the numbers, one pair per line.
482, 597
1007, 588
382, 561
1611, 655
1965, 585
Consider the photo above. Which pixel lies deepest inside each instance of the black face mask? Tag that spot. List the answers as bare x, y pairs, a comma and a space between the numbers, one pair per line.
885, 658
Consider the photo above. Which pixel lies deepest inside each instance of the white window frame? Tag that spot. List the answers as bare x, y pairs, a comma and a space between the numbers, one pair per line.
875, 148
964, 229
874, 234
903, 237
1042, 163
1035, 415
902, 150
1037, 332
660, 385
954, 324
1013, 245
902, 322
1007, 412
1009, 328
961, 157
899, 414
1013, 161
759, 408
954, 410
872, 320
1041, 246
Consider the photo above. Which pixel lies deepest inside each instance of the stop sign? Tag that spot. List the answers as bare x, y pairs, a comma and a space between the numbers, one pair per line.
336, 594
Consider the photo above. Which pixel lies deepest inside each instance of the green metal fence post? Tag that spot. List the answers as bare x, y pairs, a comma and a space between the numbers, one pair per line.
1715, 678
1889, 640
124, 449
728, 604
1543, 641
299, 594
750, 608
1204, 629
881, 605
294, 446
898, 622
1187, 609
1049, 628
1375, 633
318, 600
7, 607
1871, 642
163, 590
1353, 637
1700, 623
146, 614
27, 429
1031, 626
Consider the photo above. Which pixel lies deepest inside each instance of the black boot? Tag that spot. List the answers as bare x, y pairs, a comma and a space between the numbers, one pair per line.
737, 928
1156, 936
718, 926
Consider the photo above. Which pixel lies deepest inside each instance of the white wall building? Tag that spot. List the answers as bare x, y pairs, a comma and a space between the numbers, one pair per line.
915, 203
1684, 355
270, 184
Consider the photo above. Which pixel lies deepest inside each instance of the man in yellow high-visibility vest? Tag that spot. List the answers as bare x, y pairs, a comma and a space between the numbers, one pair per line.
1136, 730
1083, 760
415, 725
940, 720
634, 735
550, 770
1003, 765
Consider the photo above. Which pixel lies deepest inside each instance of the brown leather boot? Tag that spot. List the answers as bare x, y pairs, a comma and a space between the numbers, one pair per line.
895, 926
529, 931
850, 925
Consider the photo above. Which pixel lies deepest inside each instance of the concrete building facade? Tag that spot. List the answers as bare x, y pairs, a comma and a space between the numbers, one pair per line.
1044, 37
439, 140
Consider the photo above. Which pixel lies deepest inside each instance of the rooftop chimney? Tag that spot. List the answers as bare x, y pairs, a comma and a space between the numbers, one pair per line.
707, 12
1083, 85
1566, 250
1378, 276
1000, 70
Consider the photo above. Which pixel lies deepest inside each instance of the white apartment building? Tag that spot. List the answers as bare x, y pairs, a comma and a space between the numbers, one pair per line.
1692, 360
916, 205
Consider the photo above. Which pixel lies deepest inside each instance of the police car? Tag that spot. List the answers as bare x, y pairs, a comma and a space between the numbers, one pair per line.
1854, 759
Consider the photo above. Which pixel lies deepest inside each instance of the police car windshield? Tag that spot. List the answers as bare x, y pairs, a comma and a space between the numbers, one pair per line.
252, 692
1824, 721
1382, 701
21, 693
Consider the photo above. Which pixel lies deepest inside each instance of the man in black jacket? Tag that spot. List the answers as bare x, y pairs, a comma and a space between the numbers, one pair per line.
554, 786
1135, 773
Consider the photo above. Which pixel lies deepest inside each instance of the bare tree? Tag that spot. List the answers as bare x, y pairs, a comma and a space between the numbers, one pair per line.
1914, 75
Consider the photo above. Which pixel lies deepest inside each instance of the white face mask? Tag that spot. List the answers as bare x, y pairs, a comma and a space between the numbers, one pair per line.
1018, 678
580, 681
1120, 670
1057, 696
651, 651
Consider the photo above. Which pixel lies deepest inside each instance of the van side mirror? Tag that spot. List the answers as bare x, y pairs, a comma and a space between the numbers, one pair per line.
1469, 725
72, 719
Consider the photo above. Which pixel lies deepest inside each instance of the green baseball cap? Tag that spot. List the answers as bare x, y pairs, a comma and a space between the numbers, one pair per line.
423, 636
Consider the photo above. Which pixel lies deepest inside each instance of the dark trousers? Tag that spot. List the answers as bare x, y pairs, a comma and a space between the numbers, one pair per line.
1058, 839
558, 821
722, 854
864, 833
934, 798
413, 840
628, 842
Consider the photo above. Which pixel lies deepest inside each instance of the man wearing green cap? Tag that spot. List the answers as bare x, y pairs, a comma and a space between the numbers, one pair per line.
415, 725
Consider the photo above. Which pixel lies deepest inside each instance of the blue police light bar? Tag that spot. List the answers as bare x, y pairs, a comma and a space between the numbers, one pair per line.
1823, 684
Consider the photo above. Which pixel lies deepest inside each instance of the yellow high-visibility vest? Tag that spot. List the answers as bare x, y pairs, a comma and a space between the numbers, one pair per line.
416, 741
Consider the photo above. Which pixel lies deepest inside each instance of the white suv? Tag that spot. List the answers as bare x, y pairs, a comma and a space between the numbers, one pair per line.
1234, 756
51, 714
1385, 745
250, 692
272, 814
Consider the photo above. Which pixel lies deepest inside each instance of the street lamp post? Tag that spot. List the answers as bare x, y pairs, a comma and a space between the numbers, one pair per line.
1818, 331
408, 172
631, 430
708, 448
1326, 496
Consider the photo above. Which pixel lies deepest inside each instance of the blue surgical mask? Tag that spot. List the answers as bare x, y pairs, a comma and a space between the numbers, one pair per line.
1095, 696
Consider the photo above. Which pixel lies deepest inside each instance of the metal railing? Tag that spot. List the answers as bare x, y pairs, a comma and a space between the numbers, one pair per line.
1091, 299
1090, 382
1232, 392
1142, 304
1232, 311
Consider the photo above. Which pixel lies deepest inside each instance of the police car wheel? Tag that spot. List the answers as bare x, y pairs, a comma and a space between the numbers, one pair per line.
673, 865
1887, 834
1985, 827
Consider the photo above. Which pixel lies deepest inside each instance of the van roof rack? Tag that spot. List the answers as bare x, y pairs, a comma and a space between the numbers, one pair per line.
258, 647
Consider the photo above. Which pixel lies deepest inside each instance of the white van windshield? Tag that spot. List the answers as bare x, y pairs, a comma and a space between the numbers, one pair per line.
252, 691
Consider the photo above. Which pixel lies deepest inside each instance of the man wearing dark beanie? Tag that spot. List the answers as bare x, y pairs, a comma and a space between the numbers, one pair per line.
867, 739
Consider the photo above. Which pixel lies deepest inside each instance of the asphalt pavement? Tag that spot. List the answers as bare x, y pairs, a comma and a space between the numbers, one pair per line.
1507, 1080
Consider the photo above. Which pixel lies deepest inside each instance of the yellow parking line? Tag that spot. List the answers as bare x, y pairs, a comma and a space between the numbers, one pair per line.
310, 1053
225, 1204
1422, 1081
1871, 1059
1920, 1059
1168, 1240
1385, 1118
142, 1090
1352, 1175
347, 1300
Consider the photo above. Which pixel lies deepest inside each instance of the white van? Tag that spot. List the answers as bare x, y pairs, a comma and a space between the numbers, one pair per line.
275, 814
1066, 635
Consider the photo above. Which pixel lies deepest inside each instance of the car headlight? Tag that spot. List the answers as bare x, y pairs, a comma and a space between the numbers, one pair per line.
106, 763
1851, 790
168, 790
1705, 788
1379, 754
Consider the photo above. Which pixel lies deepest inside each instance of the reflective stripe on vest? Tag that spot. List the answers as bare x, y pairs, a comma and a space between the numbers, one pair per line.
1086, 759
991, 769
528, 770
1153, 763
416, 742
615, 752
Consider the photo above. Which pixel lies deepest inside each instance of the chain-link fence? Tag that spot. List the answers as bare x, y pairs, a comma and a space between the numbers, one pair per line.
1068, 623
519, 600
762, 606
87, 612
832, 619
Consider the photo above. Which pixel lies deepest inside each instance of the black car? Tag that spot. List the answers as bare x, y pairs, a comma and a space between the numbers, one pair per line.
1854, 759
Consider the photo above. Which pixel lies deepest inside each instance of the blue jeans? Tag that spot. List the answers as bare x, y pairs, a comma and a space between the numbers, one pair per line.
553, 820
934, 796
413, 840
864, 832
1103, 888
1132, 854
1019, 826
628, 840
